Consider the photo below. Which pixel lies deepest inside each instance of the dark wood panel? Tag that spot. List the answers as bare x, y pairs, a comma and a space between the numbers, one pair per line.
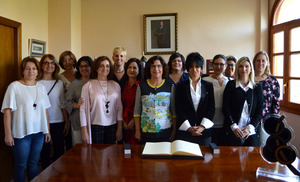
10, 55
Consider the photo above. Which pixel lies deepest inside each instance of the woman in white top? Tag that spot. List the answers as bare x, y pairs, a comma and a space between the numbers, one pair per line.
219, 82
26, 123
101, 111
58, 116
67, 62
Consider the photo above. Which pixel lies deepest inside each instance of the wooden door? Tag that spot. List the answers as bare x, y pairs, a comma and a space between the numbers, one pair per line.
10, 57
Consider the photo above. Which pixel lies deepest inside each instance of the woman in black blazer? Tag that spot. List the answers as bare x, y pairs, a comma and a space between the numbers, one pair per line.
195, 104
242, 105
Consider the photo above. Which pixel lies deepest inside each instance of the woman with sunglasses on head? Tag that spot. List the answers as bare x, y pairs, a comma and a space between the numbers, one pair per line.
101, 111
67, 62
242, 106
73, 96
58, 116
219, 82
26, 122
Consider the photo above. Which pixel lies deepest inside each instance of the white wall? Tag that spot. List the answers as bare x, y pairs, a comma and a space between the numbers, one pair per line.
211, 27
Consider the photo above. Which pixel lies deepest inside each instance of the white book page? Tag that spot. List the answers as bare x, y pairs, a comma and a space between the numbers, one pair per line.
154, 148
180, 147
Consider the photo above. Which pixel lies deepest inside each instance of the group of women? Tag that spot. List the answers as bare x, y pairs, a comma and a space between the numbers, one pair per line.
106, 103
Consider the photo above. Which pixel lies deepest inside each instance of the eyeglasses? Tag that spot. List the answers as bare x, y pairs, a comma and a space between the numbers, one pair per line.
154, 66
219, 64
49, 63
84, 66
28, 69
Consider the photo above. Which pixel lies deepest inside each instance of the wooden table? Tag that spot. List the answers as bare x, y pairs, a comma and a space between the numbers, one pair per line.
108, 163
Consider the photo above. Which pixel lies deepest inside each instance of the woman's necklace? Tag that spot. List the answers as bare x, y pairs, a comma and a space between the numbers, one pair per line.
106, 96
34, 103
120, 71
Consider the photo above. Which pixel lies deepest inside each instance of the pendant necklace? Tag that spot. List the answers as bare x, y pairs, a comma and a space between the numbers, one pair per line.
34, 103
106, 96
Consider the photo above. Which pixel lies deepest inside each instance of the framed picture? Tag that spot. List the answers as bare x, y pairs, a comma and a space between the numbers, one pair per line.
37, 48
160, 33
209, 67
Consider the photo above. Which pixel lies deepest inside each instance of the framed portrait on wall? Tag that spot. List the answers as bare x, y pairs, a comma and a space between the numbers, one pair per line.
160, 33
209, 67
36, 47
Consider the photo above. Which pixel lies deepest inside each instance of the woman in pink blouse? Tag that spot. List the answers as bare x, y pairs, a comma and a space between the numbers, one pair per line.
101, 111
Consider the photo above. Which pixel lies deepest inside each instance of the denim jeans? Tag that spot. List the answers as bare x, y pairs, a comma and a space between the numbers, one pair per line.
26, 153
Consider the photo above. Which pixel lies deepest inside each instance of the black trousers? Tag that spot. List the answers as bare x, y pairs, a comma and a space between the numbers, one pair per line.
57, 145
104, 134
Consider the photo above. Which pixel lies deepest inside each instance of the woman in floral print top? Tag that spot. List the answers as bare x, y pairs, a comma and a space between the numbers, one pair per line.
270, 86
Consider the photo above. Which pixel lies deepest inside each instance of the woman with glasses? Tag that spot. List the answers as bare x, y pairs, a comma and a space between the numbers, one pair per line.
26, 124
58, 116
219, 82
195, 104
154, 110
243, 105
176, 66
270, 87
230, 68
73, 96
101, 111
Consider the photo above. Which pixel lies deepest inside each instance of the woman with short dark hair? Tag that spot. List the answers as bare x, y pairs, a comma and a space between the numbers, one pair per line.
176, 66
195, 104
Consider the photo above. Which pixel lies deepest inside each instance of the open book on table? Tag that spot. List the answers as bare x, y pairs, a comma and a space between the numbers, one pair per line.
177, 149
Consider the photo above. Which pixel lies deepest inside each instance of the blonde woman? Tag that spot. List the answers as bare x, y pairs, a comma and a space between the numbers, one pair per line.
243, 105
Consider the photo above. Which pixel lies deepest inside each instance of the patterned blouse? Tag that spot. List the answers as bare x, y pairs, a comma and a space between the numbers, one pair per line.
271, 92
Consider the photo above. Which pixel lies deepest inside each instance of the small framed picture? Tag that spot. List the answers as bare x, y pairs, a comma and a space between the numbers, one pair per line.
209, 67
160, 33
37, 48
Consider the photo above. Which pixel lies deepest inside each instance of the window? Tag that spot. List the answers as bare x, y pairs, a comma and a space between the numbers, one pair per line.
285, 52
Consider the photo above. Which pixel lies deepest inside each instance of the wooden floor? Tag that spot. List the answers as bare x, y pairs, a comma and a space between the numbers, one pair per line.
108, 163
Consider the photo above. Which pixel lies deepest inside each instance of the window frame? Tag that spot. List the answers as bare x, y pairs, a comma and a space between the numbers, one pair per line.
286, 27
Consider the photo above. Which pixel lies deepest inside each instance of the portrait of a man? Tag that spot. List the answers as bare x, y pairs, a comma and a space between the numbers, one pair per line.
160, 34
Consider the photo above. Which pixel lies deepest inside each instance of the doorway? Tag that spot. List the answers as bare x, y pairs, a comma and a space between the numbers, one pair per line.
10, 57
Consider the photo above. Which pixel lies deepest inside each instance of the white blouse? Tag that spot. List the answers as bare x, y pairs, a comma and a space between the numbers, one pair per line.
57, 100
26, 119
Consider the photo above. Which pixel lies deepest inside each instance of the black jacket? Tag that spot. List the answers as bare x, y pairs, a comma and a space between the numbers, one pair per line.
233, 102
185, 107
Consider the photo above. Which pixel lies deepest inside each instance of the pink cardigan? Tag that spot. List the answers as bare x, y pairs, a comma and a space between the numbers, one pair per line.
92, 90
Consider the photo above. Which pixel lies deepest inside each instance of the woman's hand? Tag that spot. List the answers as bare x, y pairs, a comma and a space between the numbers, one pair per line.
138, 135
130, 125
119, 134
198, 130
9, 140
238, 133
66, 128
47, 138
84, 135
246, 132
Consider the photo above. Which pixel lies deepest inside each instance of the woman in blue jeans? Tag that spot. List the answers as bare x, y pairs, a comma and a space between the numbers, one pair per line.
26, 122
